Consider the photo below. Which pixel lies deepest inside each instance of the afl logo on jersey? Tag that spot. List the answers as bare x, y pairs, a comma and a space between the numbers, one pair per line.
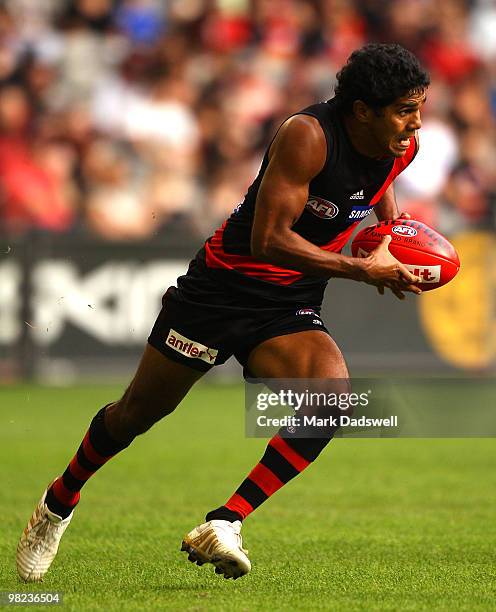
322, 208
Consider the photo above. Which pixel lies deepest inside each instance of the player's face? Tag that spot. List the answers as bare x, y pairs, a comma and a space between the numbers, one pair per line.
397, 123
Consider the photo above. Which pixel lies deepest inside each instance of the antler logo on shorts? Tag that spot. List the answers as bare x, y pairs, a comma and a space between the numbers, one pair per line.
322, 208
190, 348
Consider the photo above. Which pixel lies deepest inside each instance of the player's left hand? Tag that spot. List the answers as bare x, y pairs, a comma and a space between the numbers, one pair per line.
398, 292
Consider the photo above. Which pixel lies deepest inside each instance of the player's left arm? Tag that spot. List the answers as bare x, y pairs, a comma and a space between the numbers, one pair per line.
387, 207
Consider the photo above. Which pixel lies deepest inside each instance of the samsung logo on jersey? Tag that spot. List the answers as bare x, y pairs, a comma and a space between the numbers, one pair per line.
358, 213
322, 208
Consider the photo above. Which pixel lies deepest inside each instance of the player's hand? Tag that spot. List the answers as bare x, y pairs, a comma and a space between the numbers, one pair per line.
399, 294
396, 290
384, 270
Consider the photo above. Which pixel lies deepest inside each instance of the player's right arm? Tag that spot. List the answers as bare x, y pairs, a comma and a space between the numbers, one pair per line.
296, 156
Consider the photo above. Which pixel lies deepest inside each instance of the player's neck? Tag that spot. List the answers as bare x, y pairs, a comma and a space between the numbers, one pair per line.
361, 139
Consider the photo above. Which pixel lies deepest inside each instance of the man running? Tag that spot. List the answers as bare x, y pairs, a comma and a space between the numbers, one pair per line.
255, 291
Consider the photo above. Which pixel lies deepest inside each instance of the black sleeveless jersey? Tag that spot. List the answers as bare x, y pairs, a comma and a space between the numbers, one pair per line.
340, 196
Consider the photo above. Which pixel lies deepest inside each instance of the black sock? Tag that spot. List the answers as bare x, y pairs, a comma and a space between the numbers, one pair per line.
284, 458
223, 514
95, 450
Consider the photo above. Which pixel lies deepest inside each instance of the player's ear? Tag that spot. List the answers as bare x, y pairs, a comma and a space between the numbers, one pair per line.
361, 111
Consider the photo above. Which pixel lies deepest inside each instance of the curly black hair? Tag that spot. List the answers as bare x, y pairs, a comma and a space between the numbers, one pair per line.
378, 74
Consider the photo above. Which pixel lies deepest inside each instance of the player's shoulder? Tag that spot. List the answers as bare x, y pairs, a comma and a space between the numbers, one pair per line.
302, 126
316, 117
300, 144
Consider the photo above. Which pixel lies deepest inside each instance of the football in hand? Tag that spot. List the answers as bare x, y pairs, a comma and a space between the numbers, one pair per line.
420, 248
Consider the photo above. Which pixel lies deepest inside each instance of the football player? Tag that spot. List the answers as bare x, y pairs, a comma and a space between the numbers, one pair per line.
255, 291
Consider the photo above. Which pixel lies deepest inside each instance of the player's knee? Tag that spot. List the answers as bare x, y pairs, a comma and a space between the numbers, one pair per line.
135, 424
348, 400
133, 416
141, 416
334, 399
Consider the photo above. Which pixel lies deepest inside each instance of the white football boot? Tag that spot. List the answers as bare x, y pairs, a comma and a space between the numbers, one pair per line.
40, 541
218, 542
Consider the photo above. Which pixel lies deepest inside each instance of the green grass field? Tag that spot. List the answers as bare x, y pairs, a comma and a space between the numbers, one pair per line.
398, 524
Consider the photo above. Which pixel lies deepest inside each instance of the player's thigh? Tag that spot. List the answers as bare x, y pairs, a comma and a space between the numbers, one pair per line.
161, 379
305, 354
306, 361
157, 388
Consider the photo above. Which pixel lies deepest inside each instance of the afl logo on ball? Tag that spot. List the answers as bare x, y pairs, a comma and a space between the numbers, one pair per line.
322, 208
404, 230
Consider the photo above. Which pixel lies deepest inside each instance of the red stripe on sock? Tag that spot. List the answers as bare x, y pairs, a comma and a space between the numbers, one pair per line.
291, 456
79, 472
91, 453
265, 479
63, 495
239, 504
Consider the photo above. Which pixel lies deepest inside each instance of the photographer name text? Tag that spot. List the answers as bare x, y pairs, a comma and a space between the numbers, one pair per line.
331, 421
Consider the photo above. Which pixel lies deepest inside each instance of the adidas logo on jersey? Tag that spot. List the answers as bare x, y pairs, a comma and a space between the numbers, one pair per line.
358, 195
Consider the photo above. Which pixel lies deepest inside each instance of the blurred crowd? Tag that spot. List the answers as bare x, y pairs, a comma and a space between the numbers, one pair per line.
136, 118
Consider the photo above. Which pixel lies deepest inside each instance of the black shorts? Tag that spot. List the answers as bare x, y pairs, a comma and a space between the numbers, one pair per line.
202, 322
